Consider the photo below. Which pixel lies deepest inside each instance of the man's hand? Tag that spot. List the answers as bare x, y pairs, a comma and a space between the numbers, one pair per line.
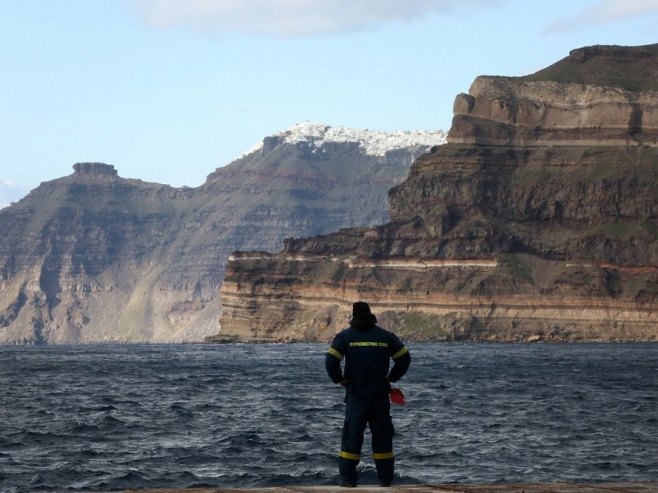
345, 382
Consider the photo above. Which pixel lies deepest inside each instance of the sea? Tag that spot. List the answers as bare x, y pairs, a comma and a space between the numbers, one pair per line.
112, 417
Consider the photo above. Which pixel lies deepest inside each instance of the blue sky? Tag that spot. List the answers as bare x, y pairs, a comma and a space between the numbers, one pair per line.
169, 90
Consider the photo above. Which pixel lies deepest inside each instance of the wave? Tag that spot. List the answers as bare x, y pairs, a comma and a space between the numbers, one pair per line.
250, 415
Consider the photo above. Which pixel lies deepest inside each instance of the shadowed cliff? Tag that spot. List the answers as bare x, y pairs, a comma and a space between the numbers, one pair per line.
538, 220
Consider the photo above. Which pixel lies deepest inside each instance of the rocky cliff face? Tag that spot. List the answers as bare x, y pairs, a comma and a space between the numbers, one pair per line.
93, 257
537, 220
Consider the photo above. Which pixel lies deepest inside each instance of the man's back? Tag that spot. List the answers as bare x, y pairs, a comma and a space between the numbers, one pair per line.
368, 351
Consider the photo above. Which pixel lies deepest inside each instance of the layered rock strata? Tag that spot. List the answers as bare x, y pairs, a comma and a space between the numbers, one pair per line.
93, 257
538, 220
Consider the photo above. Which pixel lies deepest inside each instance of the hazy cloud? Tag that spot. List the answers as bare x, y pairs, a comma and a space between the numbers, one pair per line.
605, 12
10, 192
294, 17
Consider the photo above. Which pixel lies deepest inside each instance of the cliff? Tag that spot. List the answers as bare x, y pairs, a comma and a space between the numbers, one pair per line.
538, 220
94, 257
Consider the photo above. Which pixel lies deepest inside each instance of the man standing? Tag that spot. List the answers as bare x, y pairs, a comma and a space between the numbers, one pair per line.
367, 349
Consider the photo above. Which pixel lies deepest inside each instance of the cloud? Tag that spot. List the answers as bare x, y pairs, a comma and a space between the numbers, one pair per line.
10, 192
605, 12
290, 18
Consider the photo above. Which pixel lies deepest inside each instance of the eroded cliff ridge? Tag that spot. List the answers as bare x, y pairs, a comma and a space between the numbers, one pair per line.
94, 257
538, 220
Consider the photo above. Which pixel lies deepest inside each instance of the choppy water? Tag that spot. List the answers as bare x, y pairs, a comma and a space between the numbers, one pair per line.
112, 417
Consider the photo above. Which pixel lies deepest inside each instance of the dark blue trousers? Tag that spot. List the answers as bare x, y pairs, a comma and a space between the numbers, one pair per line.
359, 412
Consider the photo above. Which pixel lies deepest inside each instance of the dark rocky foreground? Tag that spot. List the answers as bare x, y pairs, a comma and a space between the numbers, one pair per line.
621, 487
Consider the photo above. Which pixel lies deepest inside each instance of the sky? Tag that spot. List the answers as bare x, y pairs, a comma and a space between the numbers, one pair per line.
169, 90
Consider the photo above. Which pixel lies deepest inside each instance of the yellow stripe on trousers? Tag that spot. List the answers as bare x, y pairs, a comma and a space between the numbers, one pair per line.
348, 455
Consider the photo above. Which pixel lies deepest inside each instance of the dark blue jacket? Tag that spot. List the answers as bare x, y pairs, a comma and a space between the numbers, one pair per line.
367, 349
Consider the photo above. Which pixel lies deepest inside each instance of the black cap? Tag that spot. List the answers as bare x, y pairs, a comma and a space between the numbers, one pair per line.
362, 315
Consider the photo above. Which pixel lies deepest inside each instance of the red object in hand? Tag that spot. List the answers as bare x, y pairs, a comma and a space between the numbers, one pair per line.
397, 397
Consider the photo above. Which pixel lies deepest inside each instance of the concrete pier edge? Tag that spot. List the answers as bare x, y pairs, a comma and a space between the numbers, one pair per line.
558, 487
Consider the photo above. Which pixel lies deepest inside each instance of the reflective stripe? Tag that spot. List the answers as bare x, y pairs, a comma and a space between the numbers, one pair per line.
383, 455
335, 353
348, 455
402, 351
